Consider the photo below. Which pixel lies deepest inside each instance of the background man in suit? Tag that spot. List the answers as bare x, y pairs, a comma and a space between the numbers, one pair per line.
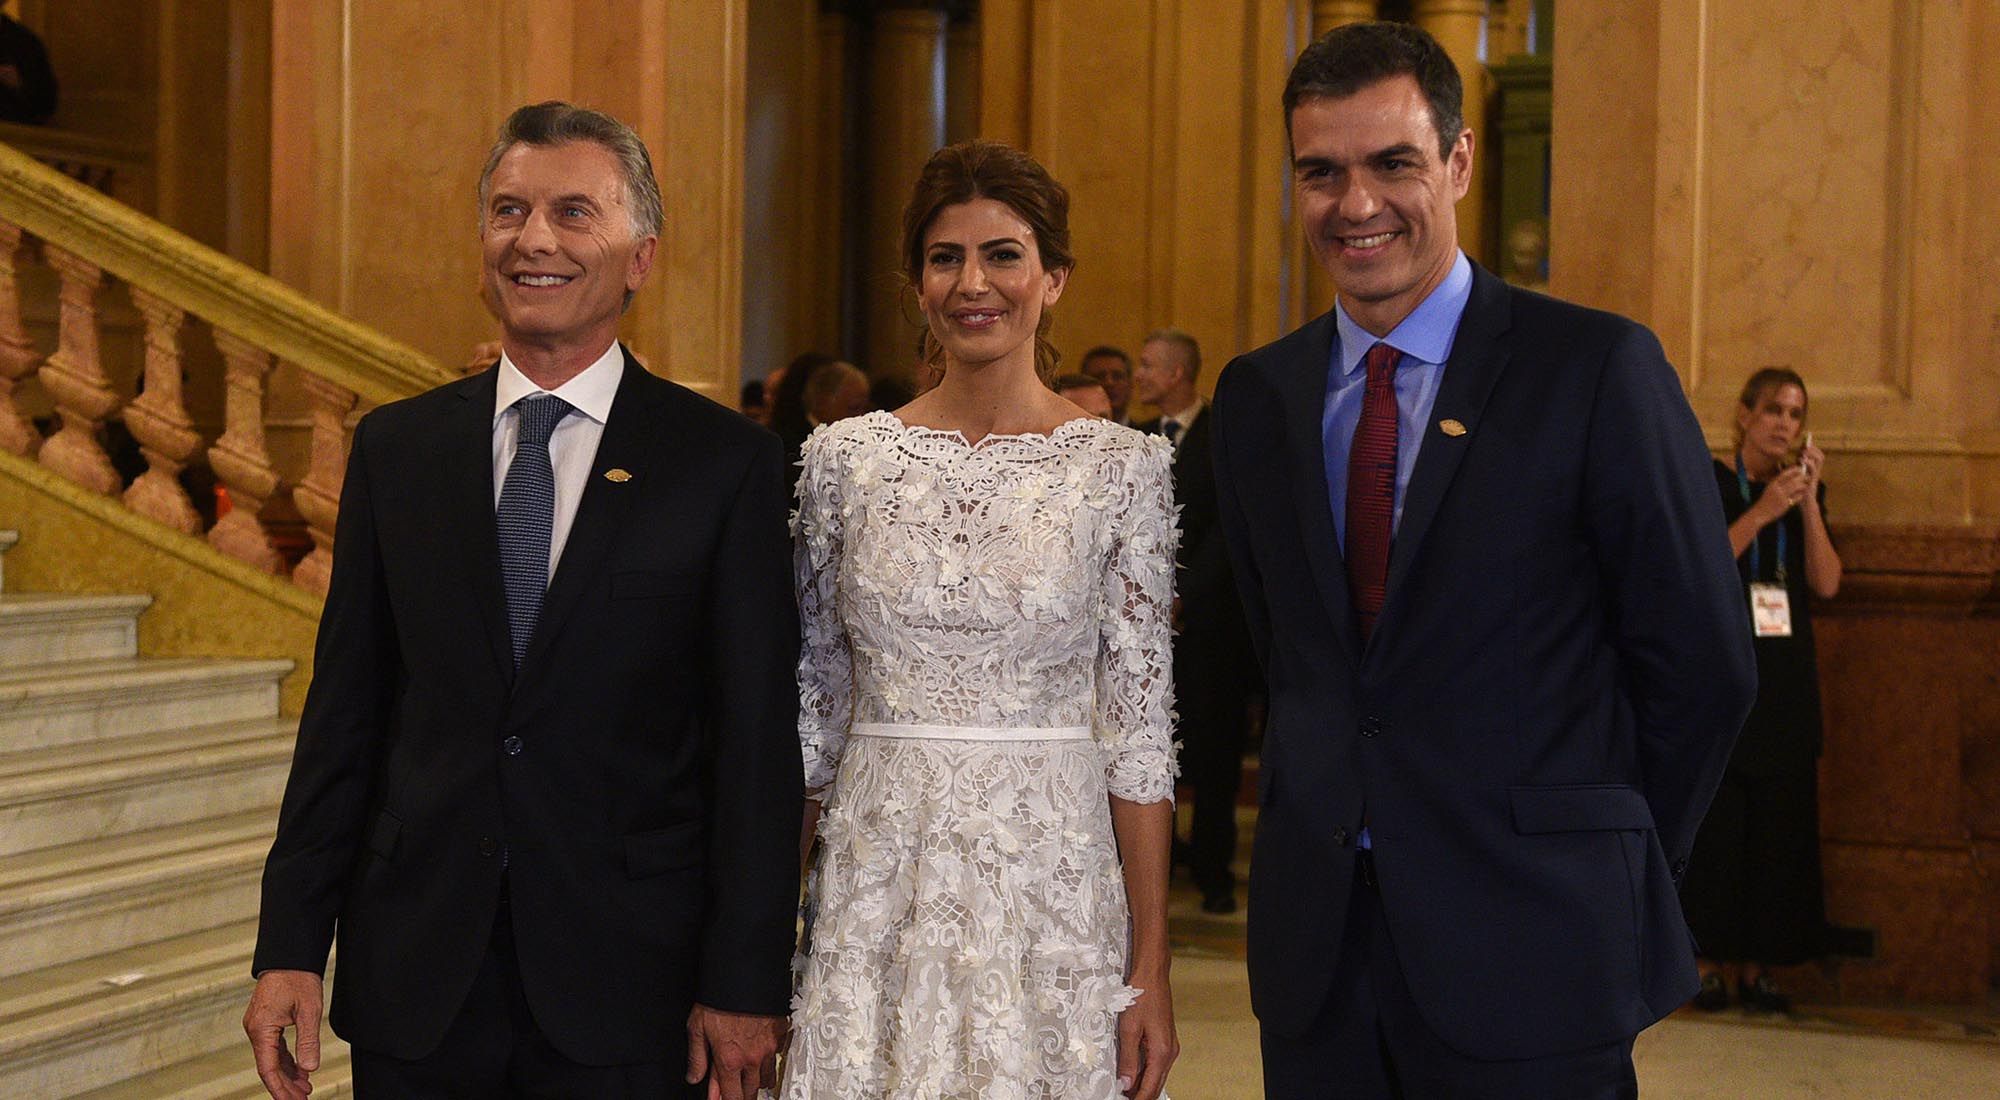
1113, 370
1477, 540
547, 782
1212, 673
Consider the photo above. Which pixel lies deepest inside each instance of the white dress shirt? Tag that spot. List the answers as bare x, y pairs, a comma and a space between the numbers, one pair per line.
1181, 421
572, 446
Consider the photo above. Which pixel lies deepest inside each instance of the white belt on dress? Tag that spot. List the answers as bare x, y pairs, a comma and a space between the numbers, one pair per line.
971, 733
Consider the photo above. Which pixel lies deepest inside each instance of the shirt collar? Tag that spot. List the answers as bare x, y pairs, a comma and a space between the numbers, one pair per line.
590, 392
1186, 416
1425, 335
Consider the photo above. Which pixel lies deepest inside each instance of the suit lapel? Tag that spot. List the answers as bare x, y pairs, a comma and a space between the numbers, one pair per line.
468, 447
1477, 359
1303, 387
599, 515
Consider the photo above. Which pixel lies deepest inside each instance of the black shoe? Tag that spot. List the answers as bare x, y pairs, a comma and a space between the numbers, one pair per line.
1714, 995
1759, 994
1218, 901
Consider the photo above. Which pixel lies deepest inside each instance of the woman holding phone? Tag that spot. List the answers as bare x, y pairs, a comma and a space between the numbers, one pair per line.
1752, 894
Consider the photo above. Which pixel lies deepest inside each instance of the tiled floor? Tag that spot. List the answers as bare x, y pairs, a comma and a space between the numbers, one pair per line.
1837, 1053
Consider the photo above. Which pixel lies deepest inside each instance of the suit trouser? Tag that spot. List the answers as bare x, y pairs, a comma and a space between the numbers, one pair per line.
494, 1050
1211, 695
1371, 1042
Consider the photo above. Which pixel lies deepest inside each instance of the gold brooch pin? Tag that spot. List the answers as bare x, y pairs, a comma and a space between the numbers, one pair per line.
621, 476
1451, 427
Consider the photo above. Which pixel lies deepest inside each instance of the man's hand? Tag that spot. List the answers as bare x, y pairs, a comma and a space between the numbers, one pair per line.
284, 998
737, 1053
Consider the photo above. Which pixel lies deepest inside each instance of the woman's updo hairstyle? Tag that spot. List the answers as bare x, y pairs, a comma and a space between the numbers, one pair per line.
990, 170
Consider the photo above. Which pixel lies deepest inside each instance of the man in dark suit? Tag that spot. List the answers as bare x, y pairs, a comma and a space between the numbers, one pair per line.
1212, 663
547, 782
1477, 542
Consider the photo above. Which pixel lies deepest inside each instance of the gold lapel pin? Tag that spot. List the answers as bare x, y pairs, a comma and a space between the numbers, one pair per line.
1451, 427
621, 476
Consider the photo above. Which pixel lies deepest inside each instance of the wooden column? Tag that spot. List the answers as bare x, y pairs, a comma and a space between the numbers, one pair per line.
904, 109
1457, 25
1507, 31
1326, 15
833, 324
18, 358
240, 458
75, 379
159, 420
961, 75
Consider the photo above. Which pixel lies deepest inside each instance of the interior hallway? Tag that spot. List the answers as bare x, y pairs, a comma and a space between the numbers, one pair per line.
1836, 1052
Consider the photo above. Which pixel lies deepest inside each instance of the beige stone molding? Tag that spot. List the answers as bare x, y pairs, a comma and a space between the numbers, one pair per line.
1939, 569
209, 285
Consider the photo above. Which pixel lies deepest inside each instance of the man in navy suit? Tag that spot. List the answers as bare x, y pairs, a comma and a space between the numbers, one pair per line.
1476, 537
547, 785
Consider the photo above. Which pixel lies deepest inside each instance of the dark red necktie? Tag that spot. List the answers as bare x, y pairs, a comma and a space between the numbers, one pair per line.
1371, 489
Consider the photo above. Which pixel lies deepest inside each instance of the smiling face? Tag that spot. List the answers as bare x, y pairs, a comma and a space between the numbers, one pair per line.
1376, 197
1772, 426
559, 247
983, 288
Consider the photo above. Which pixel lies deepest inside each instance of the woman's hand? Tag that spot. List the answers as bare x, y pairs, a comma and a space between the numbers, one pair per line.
1787, 489
1147, 1045
1812, 460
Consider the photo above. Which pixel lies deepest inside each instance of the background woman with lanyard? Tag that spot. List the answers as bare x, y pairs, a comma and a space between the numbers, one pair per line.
1752, 893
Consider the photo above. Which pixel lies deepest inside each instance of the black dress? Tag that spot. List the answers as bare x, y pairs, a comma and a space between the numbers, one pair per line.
1753, 890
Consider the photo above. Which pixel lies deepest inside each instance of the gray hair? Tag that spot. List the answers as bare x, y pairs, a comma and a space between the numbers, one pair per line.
559, 123
1189, 351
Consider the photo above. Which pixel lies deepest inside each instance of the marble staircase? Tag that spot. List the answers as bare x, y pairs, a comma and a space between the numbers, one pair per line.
137, 798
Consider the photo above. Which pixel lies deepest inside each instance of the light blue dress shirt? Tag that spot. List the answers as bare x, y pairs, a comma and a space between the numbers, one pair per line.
1425, 338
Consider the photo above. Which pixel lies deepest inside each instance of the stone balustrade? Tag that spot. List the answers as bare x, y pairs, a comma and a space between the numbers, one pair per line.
97, 247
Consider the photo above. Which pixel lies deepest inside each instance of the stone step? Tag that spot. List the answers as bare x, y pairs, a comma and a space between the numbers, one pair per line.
95, 789
47, 629
98, 1021
67, 903
230, 1075
92, 700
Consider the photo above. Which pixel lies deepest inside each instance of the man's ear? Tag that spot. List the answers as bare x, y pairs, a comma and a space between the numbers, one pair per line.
642, 261
1459, 165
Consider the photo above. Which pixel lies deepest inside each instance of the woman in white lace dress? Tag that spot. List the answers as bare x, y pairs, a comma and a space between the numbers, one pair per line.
985, 579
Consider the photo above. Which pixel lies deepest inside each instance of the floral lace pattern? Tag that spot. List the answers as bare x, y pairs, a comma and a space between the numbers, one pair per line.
971, 924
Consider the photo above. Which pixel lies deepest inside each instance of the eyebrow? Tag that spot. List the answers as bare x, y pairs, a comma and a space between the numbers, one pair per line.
1400, 149
994, 243
573, 199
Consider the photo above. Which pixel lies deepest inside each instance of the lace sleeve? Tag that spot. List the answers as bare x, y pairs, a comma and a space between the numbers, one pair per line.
1135, 643
826, 665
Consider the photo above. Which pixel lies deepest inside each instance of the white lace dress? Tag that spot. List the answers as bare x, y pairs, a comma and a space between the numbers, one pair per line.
986, 658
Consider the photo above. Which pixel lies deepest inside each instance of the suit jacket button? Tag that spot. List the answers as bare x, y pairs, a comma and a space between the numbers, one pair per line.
487, 847
1340, 836
1680, 868
1370, 726
512, 746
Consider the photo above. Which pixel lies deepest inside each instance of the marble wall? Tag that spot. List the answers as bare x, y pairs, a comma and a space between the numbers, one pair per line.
1765, 189
384, 112
1164, 124
1765, 184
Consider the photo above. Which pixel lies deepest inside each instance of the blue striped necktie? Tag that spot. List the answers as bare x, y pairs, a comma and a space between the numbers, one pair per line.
526, 516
